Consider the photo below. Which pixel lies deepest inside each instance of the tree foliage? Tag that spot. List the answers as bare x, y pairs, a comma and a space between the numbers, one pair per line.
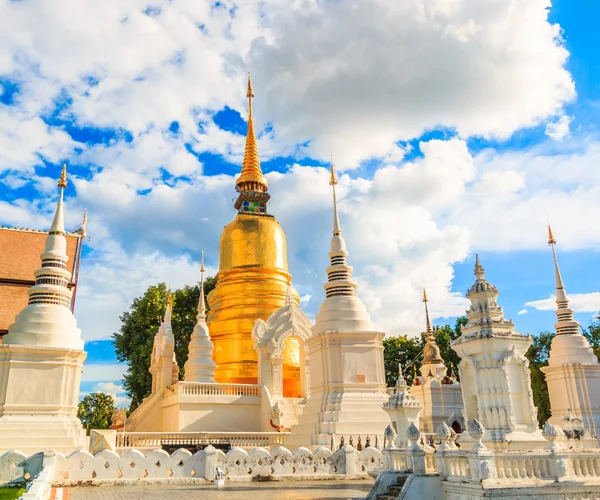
133, 342
95, 410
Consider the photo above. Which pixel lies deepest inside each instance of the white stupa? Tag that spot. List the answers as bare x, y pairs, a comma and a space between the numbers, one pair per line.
41, 357
573, 371
494, 372
163, 364
346, 359
200, 366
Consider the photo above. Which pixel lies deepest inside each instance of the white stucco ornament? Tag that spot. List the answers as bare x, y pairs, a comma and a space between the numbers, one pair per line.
390, 436
477, 431
444, 434
552, 434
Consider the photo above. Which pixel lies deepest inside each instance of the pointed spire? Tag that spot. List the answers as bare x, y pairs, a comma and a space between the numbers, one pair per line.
84, 223
251, 178
431, 351
200, 366
167, 319
566, 321
426, 312
400, 381
58, 223
340, 280
561, 294
201, 316
479, 271
337, 230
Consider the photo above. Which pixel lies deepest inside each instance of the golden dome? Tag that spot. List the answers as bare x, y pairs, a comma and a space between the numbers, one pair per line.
252, 281
253, 241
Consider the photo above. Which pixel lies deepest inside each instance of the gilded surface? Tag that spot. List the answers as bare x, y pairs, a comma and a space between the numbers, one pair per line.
252, 282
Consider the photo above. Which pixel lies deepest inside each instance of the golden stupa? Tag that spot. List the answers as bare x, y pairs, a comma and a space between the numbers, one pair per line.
253, 278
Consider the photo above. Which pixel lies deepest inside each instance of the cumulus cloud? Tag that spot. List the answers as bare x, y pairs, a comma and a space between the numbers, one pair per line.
102, 372
116, 391
382, 72
559, 129
579, 302
350, 78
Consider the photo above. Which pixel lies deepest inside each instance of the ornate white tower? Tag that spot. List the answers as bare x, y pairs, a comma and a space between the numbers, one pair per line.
41, 357
346, 358
573, 371
163, 364
200, 366
440, 395
494, 372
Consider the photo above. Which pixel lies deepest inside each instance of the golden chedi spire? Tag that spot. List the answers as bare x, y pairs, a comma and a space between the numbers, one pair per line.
253, 279
431, 351
251, 178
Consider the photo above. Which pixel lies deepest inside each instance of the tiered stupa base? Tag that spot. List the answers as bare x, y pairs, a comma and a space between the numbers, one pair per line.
39, 390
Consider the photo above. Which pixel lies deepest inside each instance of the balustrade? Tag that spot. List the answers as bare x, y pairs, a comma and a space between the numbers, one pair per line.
147, 440
197, 389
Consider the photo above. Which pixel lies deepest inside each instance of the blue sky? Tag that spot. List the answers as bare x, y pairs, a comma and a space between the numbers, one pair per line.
458, 128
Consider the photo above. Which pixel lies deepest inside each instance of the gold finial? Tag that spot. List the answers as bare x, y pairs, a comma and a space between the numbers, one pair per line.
62, 182
250, 93
251, 178
551, 240
169, 298
332, 179
202, 260
425, 295
83, 223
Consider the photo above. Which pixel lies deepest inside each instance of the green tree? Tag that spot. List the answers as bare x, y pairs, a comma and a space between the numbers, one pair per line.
537, 354
95, 410
409, 351
400, 350
133, 342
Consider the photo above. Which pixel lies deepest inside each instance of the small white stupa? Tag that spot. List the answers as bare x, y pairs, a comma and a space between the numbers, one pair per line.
346, 359
573, 371
200, 366
41, 357
163, 364
494, 372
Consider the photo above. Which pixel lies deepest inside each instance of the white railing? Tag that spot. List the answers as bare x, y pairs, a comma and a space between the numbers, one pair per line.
237, 464
525, 466
146, 440
198, 389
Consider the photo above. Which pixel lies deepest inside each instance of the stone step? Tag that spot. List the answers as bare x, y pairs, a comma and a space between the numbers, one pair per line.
387, 497
394, 490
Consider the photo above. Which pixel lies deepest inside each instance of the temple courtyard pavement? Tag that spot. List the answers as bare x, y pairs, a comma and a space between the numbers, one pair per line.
299, 490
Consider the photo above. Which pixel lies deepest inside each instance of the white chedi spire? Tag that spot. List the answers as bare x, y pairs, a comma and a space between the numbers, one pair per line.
566, 323
47, 320
200, 366
342, 309
569, 345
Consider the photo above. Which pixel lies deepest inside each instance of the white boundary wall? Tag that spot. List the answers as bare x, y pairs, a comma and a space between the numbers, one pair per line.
107, 467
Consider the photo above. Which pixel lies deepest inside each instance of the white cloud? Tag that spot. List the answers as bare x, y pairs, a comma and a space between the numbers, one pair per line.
522, 311
116, 391
102, 372
579, 302
559, 129
382, 72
